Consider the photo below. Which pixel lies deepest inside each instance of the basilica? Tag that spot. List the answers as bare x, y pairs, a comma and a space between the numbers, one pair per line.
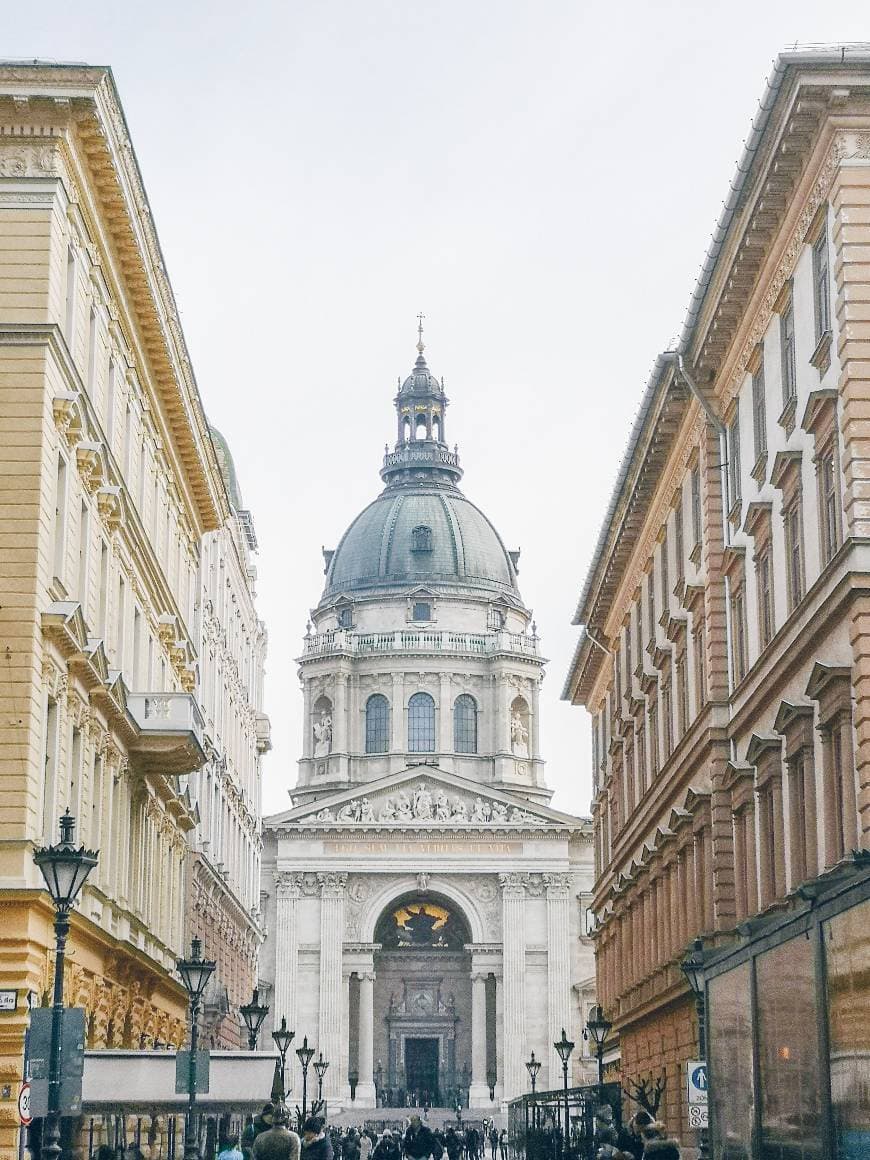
425, 905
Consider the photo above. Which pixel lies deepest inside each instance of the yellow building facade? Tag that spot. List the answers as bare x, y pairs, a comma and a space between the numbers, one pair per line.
108, 483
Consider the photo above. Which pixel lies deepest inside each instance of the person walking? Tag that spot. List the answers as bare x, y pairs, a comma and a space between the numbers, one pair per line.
278, 1142
503, 1144
365, 1146
387, 1148
231, 1149
419, 1143
316, 1144
493, 1142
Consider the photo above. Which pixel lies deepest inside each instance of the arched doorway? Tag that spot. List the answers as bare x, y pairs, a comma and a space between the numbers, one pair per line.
422, 1002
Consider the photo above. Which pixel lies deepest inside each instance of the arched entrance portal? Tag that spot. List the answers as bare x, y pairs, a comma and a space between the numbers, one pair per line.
422, 1002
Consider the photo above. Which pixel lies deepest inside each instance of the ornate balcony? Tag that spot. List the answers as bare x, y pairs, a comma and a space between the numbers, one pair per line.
170, 732
423, 641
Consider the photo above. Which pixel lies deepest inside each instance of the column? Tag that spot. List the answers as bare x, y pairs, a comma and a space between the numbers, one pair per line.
445, 714
740, 867
558, 955
830, 801
331, 940
365, 1090
514, 943
535, 726
846, 774
499, 1035
397, 715
479, 1092
339, 736
286, 948
766, 853
307, 732
778, 833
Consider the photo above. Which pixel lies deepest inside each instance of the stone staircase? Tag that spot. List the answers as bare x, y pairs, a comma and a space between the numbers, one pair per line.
396, 1119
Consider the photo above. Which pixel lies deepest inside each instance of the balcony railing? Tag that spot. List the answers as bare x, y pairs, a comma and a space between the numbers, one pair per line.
171, 731
424, 640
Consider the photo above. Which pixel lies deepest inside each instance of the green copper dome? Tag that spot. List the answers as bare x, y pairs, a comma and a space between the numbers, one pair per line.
421, 535
421, 529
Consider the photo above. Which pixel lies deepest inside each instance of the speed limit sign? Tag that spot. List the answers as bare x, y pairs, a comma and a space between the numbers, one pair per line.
24, 1105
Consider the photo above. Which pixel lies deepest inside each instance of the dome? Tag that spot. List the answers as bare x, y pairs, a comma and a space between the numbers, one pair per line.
421, 381
421, 535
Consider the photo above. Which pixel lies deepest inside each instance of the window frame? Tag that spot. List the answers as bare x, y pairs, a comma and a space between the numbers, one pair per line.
380, 703
468, 746
421, 729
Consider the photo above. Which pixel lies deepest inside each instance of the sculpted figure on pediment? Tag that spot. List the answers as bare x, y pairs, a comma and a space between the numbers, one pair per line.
349, 812
460, 810
480, 811
403, 807
499, 812
422, 803
442, 806
323, 815
366, 812
388, 811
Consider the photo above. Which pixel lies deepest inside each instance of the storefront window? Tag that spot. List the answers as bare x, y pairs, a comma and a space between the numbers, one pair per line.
847, 959
730, 1044
788, 1056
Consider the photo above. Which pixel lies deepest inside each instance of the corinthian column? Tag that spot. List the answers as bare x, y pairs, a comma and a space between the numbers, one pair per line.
558, 960
514, 940
286, 947
479, 1092
331, 940
365, 1089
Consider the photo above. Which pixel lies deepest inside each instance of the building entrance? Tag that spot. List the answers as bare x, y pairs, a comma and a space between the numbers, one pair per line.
421, 1070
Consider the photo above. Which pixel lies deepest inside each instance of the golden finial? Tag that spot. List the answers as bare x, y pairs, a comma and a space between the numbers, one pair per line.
420, 344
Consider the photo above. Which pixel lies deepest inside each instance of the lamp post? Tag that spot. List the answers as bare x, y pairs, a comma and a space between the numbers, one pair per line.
564, 1047
64, 869
253, 1014
283, 1038
693, 968
304, 1054
533, 1066
596, 1030
195, 973
320, 1066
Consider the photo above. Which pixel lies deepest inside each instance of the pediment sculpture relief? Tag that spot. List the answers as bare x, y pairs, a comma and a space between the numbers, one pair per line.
425, 804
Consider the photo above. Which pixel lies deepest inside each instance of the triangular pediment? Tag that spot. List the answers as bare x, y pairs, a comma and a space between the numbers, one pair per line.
425, 797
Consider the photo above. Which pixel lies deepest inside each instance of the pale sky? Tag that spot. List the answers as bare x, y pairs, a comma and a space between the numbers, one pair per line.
540, 178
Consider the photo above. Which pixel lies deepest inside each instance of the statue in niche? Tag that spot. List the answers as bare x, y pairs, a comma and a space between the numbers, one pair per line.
323, 734
499, 812
519, 735
480, 812
388, 810
366, 813
442, 807
460, 810
422, 803
403, 807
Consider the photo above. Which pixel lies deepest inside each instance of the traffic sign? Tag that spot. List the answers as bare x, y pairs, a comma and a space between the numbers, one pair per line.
182, 1072
698, 1116
24, 1115
696, 1082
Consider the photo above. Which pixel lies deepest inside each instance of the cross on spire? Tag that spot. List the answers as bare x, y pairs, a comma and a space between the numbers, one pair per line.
420, 344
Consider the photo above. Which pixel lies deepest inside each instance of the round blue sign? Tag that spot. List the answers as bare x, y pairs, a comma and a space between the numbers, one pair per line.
699, 1078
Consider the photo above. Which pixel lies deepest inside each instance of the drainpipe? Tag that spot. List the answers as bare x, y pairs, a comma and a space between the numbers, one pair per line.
724, 467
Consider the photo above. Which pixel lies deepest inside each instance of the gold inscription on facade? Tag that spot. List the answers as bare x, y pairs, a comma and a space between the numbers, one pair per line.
422, 846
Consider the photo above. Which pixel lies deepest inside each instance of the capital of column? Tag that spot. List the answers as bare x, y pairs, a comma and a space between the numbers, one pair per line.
288, 884
513, 884
558, 885
478, 977
366, 976
332, 885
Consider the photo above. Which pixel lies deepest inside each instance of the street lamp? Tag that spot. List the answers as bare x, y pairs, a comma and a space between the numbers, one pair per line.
283, 1038
533, 1066
253, 1014
320, 1066
64, 869
564, 1047
304, 1054
597, 1029
693, 968
195, 973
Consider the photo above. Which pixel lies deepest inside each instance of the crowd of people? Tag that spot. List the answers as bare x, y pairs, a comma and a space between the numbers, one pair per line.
643, 1138
269, 1137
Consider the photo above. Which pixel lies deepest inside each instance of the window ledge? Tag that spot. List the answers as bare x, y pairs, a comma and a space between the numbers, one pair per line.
695, 554
787, 418
759, 468
821, 356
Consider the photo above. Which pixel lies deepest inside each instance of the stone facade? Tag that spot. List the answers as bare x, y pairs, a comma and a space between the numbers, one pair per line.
421, 806
108, 483
723, 615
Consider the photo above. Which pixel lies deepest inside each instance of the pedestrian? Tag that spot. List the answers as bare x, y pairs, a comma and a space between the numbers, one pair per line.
350, 1148
387, 1148
278, 1142
231, 1149
503, 1144
661, 1148
316, 1144
365, 1146
472, 1143
493, 1141
262, 1122
418, 1143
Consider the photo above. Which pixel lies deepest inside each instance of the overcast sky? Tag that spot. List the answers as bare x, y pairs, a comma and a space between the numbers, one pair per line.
540, 178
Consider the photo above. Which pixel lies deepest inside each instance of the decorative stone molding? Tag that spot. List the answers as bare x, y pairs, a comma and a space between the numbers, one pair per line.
332, 885
424, 805
288, 884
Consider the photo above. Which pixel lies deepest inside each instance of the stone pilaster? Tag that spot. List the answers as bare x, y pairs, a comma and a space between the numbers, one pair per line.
332, 888
558, 959
479, 1092
514, 936
365, 1090
286, 948
445, 714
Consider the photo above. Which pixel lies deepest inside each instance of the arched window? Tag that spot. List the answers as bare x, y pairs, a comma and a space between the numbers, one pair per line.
465, 724
377, 724
421, 724
421, 539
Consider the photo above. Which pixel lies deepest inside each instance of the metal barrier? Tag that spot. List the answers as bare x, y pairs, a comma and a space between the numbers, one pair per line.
536, 1122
